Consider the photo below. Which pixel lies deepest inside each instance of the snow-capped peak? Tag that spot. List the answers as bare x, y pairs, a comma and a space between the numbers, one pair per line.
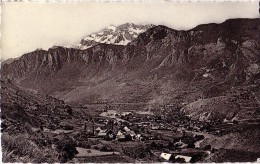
120, 35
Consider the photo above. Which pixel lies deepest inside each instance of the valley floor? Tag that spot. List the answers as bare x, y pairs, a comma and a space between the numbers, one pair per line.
127, 136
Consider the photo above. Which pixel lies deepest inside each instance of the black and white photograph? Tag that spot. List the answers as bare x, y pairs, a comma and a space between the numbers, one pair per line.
130, 81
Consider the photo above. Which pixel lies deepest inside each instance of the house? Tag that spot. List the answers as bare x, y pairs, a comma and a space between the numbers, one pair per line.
126, 113
165, 156
186, 158
120, 136
35, 130
154, 127
131, 134
139, 137
180, 144
102, 133
97, 130
126, 129
105, 134
195, 128
111, 136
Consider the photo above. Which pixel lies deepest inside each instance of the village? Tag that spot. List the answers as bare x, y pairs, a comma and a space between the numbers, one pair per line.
138, 136
124, 132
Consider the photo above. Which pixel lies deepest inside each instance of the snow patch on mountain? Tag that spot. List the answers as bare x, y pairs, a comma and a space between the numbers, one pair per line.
74, 46
121, 35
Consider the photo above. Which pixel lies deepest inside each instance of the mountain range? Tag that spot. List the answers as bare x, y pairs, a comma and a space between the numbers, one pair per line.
150, 64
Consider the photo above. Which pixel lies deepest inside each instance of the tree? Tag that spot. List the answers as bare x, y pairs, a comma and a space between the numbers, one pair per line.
66, 148
191, 145
69, 110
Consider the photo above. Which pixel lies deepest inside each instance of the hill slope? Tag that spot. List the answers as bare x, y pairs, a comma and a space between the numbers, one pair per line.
21, 107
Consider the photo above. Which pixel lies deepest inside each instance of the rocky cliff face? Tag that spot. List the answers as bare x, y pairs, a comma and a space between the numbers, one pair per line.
161, 64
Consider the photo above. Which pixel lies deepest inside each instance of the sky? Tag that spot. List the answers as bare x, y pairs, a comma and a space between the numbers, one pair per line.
28, 26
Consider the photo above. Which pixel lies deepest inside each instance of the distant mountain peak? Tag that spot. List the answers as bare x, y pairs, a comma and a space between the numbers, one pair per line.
119, 35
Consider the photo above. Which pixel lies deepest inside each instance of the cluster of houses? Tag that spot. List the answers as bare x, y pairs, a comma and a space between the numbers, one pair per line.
141, 123
169, 120
123, 134
168, 157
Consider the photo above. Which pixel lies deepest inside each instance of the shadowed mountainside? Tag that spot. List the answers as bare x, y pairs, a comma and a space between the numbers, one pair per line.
160, 66
20, 106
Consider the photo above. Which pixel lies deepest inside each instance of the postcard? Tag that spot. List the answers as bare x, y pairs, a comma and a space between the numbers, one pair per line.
130, 81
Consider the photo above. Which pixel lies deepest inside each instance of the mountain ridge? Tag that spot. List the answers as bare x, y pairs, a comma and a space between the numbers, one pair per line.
218, 61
